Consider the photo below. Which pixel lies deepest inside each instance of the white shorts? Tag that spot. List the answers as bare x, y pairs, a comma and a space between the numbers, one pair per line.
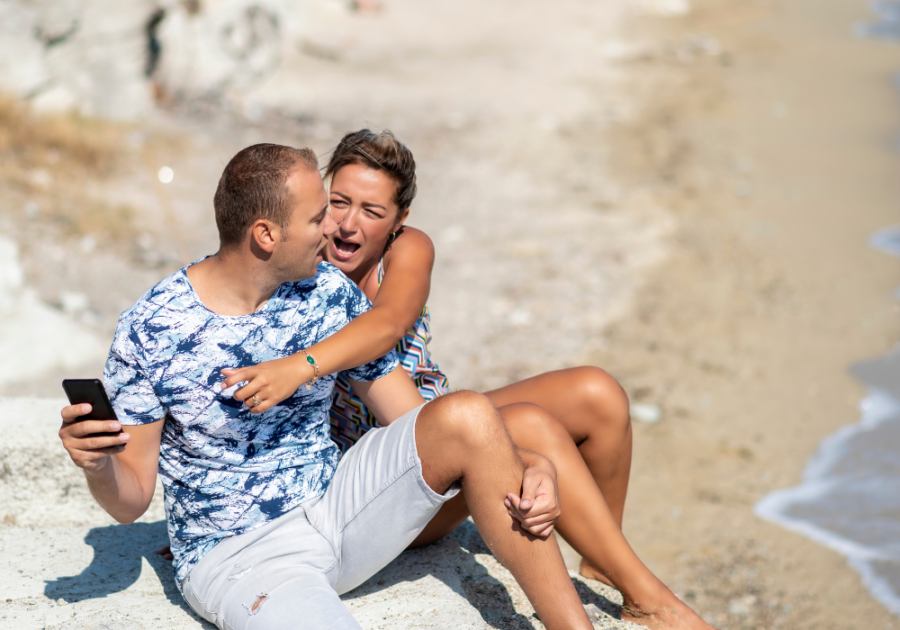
289, 573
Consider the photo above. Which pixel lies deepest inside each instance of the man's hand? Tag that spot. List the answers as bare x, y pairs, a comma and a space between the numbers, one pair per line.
85, 441
269, 382
122, 481
537, 510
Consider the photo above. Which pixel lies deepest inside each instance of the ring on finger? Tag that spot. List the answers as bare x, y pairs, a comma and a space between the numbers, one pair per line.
255, 400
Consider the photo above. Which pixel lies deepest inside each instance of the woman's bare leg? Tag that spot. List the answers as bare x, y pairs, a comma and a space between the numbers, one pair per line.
593, 408
589, 526
586, 523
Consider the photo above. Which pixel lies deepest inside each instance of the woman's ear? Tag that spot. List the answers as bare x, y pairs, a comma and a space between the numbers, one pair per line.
401, 219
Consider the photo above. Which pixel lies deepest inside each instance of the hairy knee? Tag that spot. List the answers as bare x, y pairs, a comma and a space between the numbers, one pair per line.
466, 416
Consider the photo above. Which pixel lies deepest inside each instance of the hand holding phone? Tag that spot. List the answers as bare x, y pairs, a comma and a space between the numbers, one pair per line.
90, 391
92, 436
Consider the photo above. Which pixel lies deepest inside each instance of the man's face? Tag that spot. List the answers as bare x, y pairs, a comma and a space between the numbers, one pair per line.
298, 253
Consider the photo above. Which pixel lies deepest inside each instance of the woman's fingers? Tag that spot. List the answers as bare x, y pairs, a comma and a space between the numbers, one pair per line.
248, 391
235, 376
265, 405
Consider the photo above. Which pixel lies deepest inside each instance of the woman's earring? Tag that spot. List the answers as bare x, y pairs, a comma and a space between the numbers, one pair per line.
393, 237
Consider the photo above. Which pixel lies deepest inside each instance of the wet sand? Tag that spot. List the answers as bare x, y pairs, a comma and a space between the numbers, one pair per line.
778, 158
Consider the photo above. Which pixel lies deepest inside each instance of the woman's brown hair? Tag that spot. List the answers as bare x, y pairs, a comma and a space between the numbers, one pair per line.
380, 152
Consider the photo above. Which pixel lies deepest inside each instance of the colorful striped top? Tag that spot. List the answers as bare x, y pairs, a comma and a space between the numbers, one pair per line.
350, 418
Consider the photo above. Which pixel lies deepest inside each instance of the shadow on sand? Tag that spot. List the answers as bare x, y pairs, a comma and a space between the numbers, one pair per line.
487, 595
116, 565
119, 550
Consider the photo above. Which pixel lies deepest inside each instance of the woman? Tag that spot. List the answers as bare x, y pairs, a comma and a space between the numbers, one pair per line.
577, 418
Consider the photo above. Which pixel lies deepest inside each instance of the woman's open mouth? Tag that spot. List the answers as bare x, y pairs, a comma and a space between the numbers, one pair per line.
343, 250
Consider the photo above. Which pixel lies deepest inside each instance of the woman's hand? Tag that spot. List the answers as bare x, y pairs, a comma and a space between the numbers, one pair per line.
537, 510
269, 382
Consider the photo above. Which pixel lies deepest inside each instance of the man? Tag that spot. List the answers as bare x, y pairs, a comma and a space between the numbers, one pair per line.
266, 527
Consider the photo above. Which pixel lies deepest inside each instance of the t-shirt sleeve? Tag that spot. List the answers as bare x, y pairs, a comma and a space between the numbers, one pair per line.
357, 304
129, 390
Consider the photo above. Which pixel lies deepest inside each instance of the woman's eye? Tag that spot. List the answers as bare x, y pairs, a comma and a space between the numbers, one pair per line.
374, 214
338, 202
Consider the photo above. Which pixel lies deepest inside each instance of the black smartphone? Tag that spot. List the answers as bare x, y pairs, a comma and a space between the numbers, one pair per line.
90, 390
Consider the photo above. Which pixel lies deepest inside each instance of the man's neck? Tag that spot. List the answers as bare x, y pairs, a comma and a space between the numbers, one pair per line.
229, 284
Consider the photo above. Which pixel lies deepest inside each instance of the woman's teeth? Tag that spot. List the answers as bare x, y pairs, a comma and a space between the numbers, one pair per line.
344, 247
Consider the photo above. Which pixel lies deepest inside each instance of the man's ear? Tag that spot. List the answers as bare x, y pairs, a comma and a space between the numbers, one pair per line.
401, 219
264, 235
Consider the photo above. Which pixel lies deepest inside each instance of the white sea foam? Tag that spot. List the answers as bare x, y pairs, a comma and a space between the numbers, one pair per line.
887, 240
848, 500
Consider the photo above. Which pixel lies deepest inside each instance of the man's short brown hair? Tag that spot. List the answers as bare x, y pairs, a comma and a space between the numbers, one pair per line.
254, 186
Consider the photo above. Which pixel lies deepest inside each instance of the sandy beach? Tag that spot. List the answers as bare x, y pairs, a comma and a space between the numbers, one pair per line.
678, 193
778, 159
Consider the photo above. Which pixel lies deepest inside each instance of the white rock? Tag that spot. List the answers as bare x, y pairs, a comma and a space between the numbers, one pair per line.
223, 48
94, 56
66, 54
35, 337
648, 414
667, 8
73, 303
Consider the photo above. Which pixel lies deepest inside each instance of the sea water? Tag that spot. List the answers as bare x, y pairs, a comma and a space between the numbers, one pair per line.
850, 496
849, 499
887, 21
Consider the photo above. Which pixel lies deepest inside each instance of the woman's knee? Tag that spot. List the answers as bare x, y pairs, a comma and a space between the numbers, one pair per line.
531, 426
602, 396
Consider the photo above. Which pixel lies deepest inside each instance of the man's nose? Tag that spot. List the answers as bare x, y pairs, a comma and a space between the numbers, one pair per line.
331, 225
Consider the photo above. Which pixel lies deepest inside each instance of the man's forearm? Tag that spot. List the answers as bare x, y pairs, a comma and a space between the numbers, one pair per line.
118, 490
120, 468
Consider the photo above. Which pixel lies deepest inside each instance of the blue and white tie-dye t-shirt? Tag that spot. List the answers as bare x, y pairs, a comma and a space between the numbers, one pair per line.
226, 471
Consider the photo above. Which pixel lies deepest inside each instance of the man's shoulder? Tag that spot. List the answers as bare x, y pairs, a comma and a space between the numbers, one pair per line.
163, 294
328, 280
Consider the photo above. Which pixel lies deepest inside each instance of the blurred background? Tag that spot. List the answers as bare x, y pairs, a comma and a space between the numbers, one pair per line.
683, 192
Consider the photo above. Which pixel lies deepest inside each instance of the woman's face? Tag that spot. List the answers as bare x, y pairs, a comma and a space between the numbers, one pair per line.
362, 204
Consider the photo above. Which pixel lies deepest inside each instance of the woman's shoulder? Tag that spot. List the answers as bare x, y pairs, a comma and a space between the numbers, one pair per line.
411, 243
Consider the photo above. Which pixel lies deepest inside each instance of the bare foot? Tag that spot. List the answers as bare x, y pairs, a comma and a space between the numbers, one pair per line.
589, 570
669, 614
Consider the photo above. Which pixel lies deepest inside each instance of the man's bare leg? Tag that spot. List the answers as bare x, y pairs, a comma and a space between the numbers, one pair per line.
586, 523
461, 436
